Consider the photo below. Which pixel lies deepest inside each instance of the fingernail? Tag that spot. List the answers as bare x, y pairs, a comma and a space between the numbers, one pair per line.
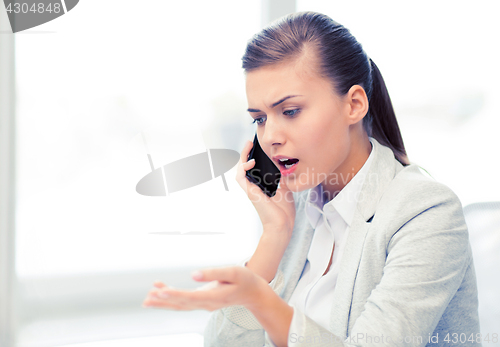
253, 159
197, 275
163, 295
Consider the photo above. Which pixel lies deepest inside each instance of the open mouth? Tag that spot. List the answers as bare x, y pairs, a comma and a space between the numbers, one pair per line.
288, 163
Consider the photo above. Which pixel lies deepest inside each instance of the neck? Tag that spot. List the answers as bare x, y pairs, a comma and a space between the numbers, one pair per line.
356, 158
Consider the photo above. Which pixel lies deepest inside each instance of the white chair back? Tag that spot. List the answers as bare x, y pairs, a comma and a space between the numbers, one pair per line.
483, 221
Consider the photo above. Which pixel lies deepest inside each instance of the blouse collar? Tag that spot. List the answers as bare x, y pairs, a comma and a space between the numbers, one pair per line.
344, 202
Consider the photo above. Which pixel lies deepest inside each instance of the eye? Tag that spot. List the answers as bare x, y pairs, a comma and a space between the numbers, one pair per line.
292, 112
256, 120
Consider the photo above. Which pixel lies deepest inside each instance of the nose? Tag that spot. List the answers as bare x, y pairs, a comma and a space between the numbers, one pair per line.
273, 133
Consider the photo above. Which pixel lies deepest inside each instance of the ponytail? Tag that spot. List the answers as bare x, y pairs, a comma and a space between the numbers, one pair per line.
381, 123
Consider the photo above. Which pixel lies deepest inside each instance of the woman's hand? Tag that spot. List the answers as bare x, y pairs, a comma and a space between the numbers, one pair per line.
277, 214
227, 286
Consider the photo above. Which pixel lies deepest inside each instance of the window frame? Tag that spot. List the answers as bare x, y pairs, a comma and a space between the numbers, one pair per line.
8, 285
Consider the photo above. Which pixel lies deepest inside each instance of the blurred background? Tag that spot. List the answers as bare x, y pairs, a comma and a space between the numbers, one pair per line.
85, 98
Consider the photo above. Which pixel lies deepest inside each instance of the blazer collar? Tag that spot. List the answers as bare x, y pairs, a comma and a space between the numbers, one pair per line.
381, 172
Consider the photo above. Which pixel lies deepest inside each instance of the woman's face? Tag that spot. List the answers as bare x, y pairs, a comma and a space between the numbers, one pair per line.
299, 116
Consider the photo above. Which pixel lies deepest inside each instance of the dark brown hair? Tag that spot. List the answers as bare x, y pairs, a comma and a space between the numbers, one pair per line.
342, 60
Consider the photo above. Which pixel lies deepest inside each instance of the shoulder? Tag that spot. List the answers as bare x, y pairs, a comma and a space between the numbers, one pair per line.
412, 192
418, 206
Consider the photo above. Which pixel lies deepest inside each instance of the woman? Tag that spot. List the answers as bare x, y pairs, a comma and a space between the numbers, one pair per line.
358, 246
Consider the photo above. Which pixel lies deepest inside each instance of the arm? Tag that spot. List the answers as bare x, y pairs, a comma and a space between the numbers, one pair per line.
231, 290
274, 314
268, 254
231, 325
270, 313
237, 323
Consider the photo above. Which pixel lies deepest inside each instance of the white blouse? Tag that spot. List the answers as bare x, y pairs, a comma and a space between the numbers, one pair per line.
313, 295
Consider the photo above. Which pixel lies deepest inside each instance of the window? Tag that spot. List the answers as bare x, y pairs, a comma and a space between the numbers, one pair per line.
158, 68
97, 91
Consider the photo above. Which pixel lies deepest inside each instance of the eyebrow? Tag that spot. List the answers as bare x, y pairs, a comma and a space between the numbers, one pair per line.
275, 104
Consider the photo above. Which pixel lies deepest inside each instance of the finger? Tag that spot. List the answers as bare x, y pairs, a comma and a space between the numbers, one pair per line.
244, 167
241, 173
186, 300
244, 157
224, 275
209, 299
254, 193
209, 285
182, 296
246, 151
153, 294
161, 303
251, 189
159, 284
159, 300
242, 164
206, 300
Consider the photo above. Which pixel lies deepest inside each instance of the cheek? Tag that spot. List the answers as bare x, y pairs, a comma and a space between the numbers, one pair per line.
321, 142
324, 151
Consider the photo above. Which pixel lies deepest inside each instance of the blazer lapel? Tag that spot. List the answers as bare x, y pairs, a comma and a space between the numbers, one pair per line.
382, 170
295, 256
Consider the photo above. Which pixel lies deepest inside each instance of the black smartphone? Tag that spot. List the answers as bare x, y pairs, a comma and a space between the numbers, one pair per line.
265, 174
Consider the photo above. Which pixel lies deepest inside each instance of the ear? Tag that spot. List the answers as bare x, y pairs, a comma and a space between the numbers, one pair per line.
358, 104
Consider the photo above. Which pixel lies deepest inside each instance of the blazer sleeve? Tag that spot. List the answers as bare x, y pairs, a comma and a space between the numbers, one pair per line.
426, 260
236, 325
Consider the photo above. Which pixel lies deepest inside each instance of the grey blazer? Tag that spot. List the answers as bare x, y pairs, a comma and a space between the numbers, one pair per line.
406, 276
